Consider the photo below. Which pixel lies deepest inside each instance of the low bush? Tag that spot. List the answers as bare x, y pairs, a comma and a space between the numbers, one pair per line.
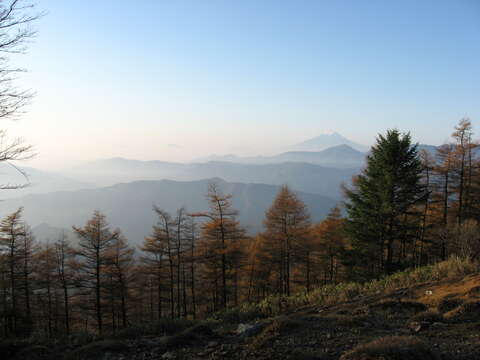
238, 315
10, 347
97, 350
430, 316
391, 348
398, 307
187, 336
467, 312
447, 304
333, 294
280, 325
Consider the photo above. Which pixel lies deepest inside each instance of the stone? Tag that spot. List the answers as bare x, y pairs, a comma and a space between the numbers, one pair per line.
169, 356
249, 330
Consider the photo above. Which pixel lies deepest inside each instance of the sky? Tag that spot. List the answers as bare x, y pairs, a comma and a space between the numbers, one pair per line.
175, 80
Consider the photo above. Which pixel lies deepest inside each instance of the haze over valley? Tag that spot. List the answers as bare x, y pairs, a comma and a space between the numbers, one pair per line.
119, 187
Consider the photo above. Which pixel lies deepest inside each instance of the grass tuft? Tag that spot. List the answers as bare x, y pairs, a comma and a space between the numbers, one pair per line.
467, 312
333, 294
391, 348
430, 316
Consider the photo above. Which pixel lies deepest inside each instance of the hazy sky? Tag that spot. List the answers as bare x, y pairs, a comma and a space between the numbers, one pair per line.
174, 80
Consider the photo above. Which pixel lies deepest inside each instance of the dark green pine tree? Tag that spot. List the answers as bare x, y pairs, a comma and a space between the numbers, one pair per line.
382, 220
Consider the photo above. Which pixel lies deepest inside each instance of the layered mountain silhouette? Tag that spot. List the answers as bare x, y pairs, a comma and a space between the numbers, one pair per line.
326, 140
37, 181
340, 156
300, 176
130, 205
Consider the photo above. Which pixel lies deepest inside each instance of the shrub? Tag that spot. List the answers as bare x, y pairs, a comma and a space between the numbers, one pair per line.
239, 315
391, 348
397, 307
332, 294
187, 336
430, 316
279, 325
33, 352
131, 332
475, 291
448, 304
469, 311
9, 347
97, 350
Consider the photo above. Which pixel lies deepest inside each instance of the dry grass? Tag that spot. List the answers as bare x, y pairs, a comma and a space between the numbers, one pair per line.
195, 333
430, 316
279, 326
454, 268
97, 350
448, 303
398, 307
391, 348
449, 288
467, 312
475, 291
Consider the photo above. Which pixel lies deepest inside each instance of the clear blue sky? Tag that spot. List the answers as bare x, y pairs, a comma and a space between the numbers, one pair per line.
173, 79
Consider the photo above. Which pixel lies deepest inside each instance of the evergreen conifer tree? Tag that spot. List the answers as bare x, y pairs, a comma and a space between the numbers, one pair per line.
381, 213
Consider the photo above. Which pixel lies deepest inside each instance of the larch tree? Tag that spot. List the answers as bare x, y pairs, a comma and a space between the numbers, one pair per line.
27, 251
179, 228
441, 198
154, 250
287, 223
218, 237
96, 239
329, 244
463, 167
120, 267
12, 232
191, 237
47, 283
65, 272
165, 233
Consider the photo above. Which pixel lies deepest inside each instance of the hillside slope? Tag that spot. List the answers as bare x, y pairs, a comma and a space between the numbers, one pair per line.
435, 317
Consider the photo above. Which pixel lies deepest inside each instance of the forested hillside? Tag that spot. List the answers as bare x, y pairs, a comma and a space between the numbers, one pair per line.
129, 205
405, 209
122, 238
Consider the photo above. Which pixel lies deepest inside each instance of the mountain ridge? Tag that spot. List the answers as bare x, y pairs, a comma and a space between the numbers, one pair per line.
326, 140
129, 205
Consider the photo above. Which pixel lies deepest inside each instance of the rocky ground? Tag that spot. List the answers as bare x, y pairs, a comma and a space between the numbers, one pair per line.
438, 320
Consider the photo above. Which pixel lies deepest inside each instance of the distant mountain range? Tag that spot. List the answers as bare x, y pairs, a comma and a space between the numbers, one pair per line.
300, 176
129, 206
126, 189
318, 172
39, 182
325, 141
340, 156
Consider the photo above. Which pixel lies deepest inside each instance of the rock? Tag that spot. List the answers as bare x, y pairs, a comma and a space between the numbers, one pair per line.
418, 326
212, 344
205, 353
148, 342
249, 330
169, 356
